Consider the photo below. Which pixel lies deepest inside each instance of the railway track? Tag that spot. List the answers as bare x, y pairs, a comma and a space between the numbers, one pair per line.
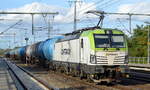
73, 83
63, 81
129, 84
145, 77
85, 83
25, 80
136, 81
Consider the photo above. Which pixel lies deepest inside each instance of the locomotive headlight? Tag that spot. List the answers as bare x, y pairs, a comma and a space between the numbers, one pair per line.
93, 59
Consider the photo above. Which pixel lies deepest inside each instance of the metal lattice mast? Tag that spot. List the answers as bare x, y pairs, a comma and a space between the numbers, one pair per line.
75, 13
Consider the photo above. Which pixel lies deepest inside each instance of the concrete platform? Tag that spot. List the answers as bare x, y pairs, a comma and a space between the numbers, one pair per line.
6, 82
140, 65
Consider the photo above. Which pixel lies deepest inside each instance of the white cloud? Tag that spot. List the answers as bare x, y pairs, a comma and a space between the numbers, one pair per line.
33, 7
140, 8
81, 10
66, 15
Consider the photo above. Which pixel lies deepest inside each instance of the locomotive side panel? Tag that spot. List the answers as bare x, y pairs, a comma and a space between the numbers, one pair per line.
84, 50
67, 51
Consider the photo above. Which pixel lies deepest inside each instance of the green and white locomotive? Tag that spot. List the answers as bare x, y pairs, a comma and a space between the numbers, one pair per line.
95, 53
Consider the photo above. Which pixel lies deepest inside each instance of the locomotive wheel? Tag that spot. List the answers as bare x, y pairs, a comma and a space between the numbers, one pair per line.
89, 78
67, 70
81, 75
54, 67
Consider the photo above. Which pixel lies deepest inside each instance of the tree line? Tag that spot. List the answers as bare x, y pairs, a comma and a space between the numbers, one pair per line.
138, 41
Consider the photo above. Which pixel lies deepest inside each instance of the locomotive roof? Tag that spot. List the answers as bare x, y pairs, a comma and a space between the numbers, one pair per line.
87, 31
81, 30
92, 28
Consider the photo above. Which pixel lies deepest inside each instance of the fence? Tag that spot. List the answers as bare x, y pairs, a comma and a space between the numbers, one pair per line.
138, 60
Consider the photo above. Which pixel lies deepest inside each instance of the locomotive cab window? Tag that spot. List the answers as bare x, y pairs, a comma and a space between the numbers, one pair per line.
109, 41
117, 41
101, 41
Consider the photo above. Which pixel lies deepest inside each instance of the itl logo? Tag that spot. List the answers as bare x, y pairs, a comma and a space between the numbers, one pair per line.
65, 51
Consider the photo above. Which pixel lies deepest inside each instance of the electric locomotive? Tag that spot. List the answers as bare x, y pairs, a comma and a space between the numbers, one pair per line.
95, 53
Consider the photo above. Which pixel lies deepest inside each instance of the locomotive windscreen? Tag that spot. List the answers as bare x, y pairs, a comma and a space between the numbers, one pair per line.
101, 41
117, 41
109, 41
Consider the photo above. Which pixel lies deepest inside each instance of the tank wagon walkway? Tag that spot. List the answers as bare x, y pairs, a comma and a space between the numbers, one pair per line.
6, 82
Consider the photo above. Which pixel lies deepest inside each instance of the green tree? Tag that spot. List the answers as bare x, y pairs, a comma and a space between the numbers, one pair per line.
138, 42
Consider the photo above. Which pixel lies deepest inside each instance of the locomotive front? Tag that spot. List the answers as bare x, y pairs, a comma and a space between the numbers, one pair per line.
106, 53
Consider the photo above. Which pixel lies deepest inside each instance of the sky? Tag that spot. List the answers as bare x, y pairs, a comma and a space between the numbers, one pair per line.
63, 22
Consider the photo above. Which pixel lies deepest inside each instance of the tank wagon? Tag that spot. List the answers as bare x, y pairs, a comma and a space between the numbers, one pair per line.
17, 53
40, 54
93, 53
22, 53
31, 53
48, 48
11, 54
7, 54
14, 53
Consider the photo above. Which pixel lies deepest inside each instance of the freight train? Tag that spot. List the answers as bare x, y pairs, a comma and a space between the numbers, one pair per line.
93, 53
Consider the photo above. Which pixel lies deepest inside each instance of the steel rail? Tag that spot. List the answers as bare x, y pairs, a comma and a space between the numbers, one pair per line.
140, 76
17, 81
20, 84
39, 80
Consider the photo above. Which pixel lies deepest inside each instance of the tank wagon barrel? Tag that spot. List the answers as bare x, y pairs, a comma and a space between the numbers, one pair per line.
7, 54
32, 53
22, 53
48, 47
40, 51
